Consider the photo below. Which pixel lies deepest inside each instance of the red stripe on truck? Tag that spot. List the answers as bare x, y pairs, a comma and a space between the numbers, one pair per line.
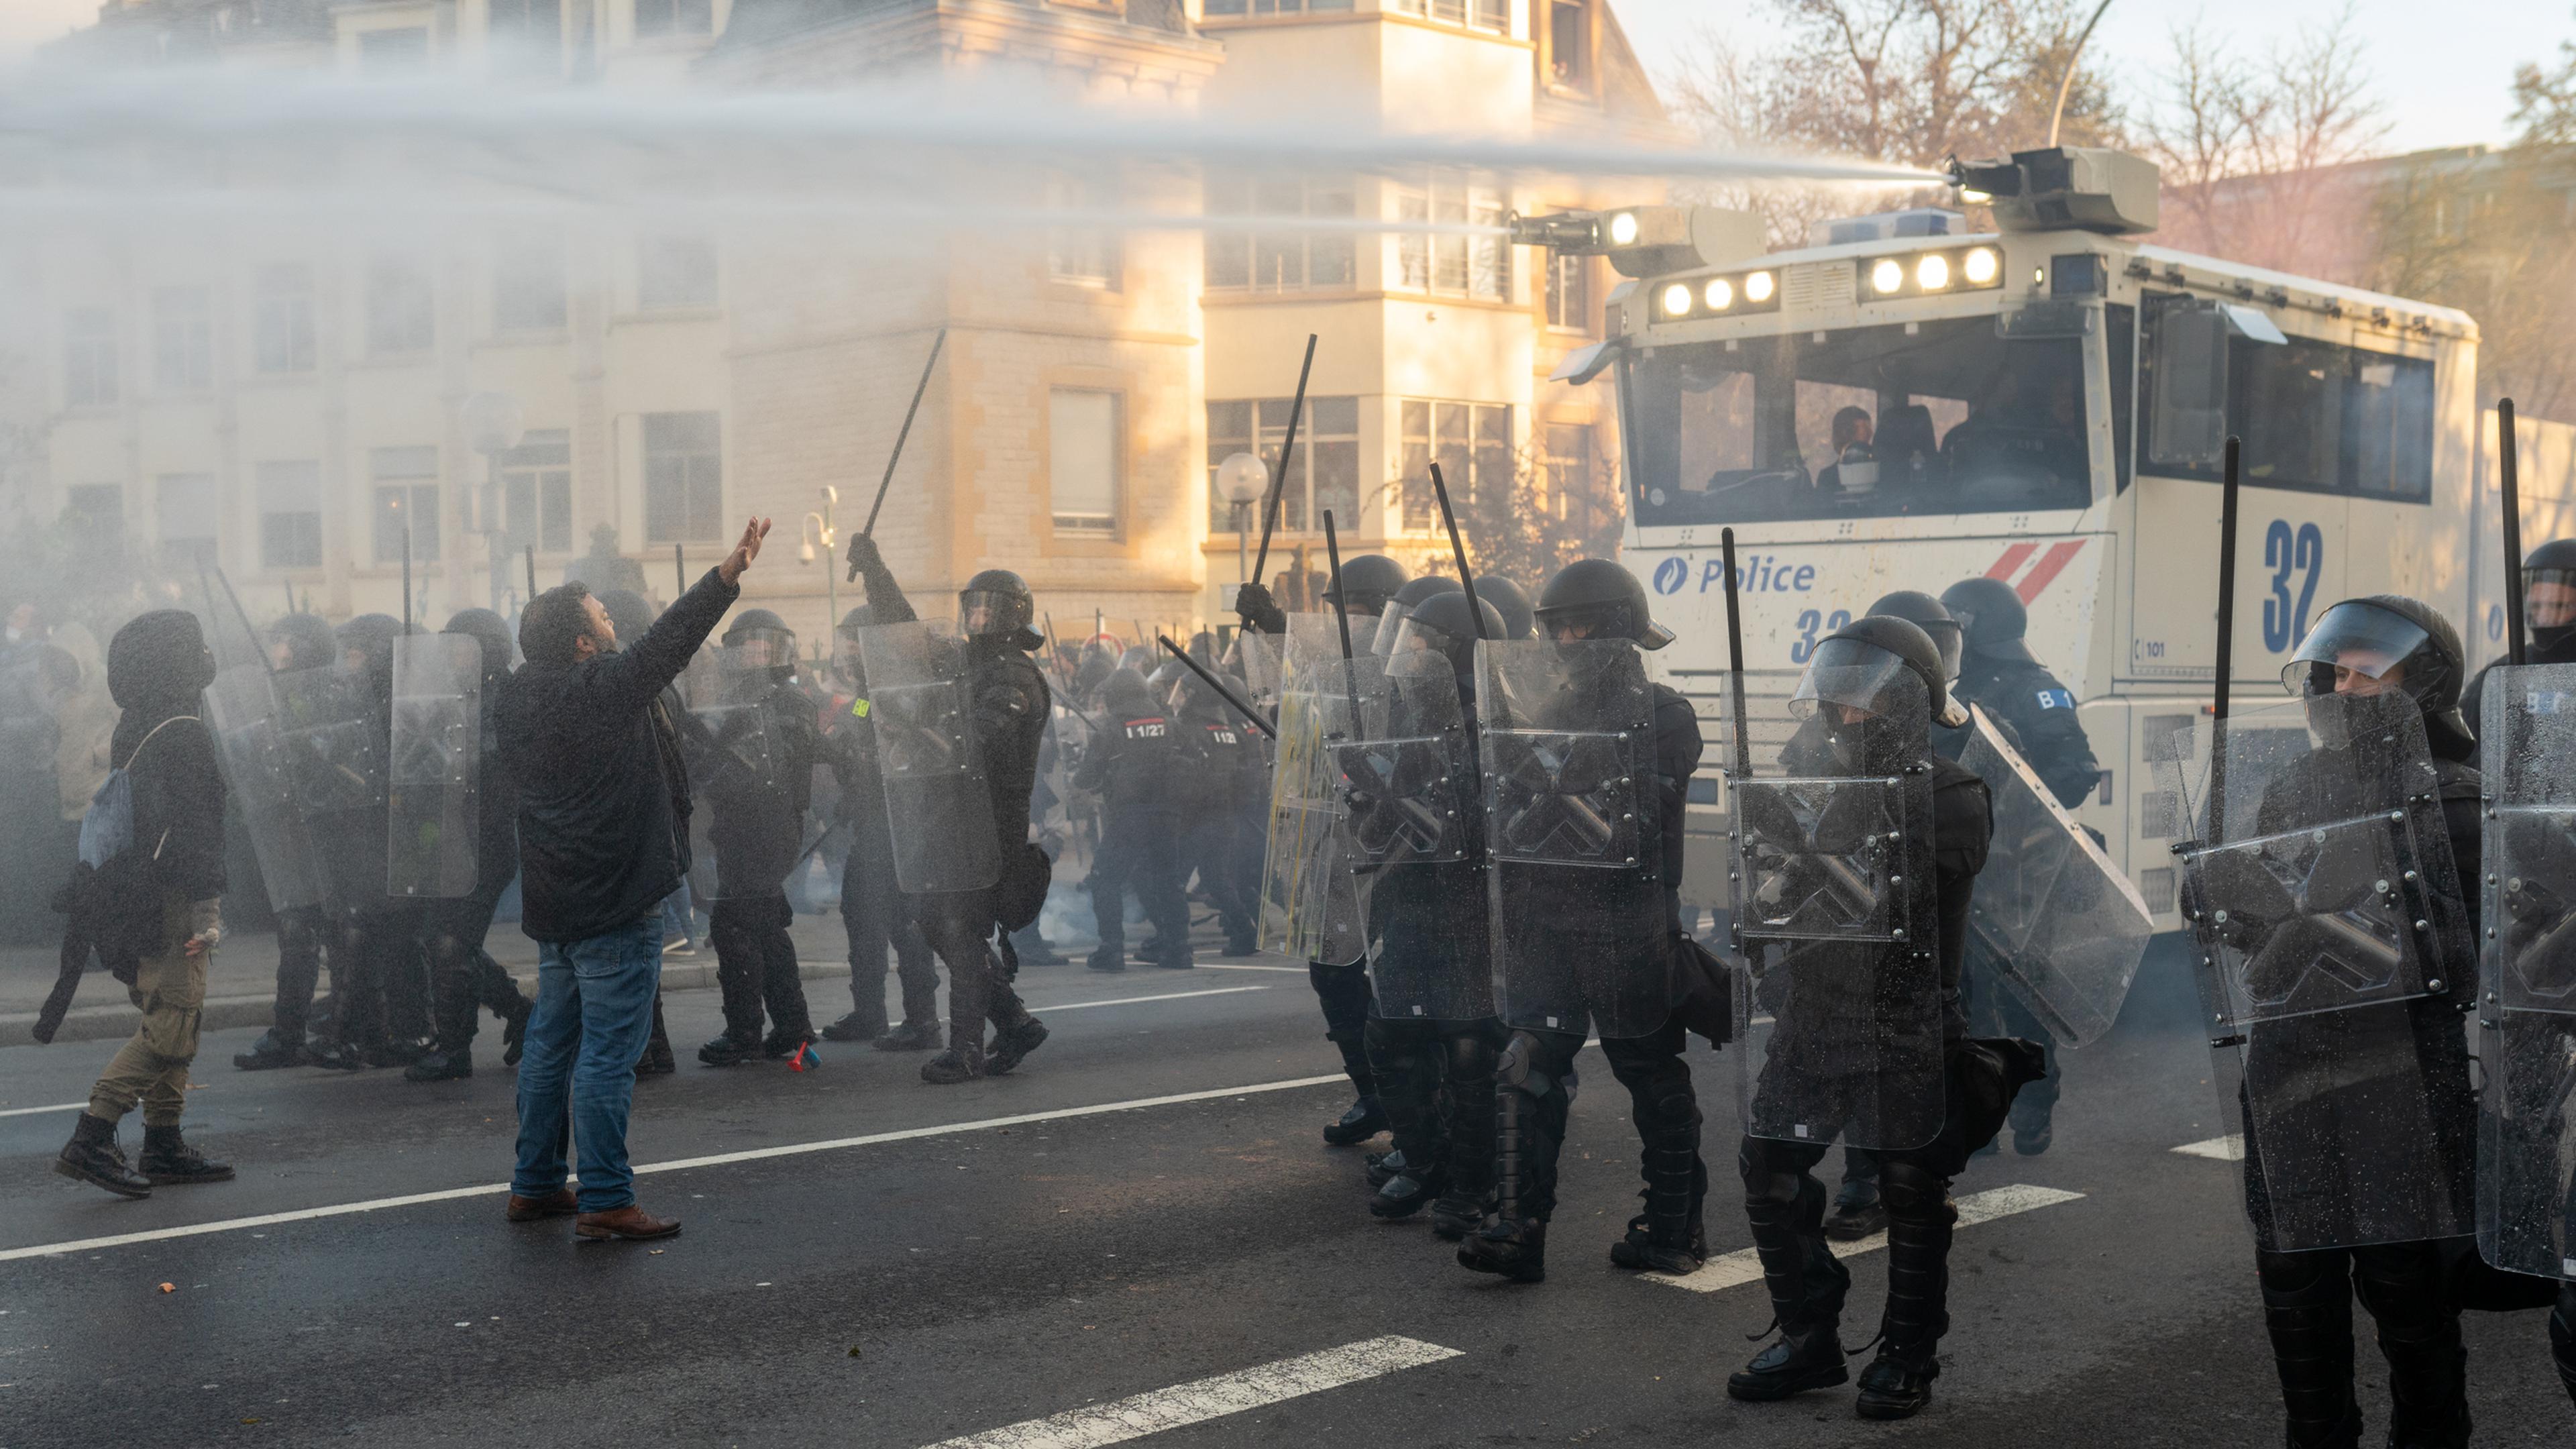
2011, 561
2045, 572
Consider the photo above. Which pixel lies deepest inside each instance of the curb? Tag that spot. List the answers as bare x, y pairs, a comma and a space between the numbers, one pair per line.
225, 1013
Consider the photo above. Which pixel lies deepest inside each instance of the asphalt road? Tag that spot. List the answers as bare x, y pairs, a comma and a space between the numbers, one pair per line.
873, 1262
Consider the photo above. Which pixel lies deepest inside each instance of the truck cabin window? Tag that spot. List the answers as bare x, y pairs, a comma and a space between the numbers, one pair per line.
1870, 422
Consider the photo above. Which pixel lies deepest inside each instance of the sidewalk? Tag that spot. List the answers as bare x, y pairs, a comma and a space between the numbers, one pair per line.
241, 987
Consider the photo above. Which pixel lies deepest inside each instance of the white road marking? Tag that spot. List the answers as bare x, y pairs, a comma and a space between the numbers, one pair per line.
1181, 1405
1213, 966
32, 1111
1056, 1006
2217, 1149
1730, 1270
797, 1149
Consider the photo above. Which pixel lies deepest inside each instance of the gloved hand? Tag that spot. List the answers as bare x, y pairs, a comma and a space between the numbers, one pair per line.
1259, 612
863, 556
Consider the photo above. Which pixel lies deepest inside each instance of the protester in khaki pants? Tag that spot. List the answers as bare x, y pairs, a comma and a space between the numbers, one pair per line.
172, 874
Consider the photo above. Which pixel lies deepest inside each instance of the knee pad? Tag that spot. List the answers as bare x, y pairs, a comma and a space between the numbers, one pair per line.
1527, 1065
1914, 1194
1768, 1181
2297, 1280
2402, 1283
1472, 1057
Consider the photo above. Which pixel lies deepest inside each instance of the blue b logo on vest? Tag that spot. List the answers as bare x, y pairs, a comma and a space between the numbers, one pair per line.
1669, 576
2056, 699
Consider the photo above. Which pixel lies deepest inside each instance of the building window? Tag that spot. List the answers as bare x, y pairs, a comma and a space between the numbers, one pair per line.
406, 482
683, 477
89, 358
393, 52
674, 17
527, 37
183, 508
528, 284
674, 273
290, 515
536, 483
1569, 44
282, 318
1482, 14
1083, 459
1279, 260
183, 339
1087, 256
1472, 442
402, 312
1324, 473
1569, 292
96, 513
1569, 472
1217, 9
1453, 264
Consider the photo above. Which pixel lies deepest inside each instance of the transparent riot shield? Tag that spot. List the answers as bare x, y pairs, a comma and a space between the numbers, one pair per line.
2327, 910
432, 812
2059, 923
1413, 795
1581, 928
1259, 659
1310, 901
743, 753
241, 709
2527, 1134
938, 796
1834, 931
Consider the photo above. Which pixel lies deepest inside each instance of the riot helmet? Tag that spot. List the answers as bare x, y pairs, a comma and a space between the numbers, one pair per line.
1991, 619
301, 641
1926, 613
1406, 600
2384, 645
849, 667
996, 604
367, 650
1509, 601
1863, 668
2549, 593
1595, 598
758, 639
1366, 583
491, 632
1442, 625
1125, 696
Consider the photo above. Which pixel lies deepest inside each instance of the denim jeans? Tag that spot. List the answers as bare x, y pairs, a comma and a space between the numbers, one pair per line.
680, 915
594, 1001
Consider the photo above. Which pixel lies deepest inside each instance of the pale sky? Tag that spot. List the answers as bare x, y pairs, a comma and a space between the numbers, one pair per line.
2445, 84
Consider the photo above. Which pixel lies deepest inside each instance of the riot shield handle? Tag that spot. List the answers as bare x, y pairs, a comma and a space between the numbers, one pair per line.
1287, 449
1466, 579
2509, 479
869, 529
1735, 655
1250, 715
1342, 617
2229, 487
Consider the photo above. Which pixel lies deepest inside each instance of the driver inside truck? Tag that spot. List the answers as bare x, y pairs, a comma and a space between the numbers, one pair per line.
1852, 429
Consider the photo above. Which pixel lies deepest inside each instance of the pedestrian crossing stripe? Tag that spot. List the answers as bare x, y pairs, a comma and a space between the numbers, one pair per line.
2216, 1149
1733, 1270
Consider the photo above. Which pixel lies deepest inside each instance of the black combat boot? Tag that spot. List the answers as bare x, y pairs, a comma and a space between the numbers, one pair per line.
271, 1052
1012, 1045
1920, 1219
1511, 1246
1786, 1210
851, 1027
1858, 1211
962, 1062
1407, 1193
1670, 1236
912, 1036
453, 1066
1799, 1360
169, 1161
781, 1046
93, 1157
1363, 1121
729, 1050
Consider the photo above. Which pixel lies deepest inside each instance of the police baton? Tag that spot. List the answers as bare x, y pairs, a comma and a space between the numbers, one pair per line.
1250, 715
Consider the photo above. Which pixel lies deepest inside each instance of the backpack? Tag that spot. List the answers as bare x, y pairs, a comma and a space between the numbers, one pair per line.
112, 900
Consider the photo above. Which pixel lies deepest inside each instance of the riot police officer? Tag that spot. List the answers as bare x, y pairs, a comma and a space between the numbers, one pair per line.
1509, 601
1868, 1033
1363, 589
1998, 675
1008, 702
1228, 794
2548, 611
298, 643
872, 909
2357, 1111
1135, 768
1584, 937
379, 1016
766, 745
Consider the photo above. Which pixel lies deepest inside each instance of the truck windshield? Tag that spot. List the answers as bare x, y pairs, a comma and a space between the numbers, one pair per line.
1942, 417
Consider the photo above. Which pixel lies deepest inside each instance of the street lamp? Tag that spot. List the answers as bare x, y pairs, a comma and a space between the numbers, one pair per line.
493, 426
1241, 478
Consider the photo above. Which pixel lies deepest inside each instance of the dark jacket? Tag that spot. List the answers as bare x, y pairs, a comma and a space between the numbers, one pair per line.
759, 791
2041, 712
157, 672
603, 795
1137, 765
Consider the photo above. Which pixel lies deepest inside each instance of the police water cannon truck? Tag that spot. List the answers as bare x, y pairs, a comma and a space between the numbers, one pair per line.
1903, 403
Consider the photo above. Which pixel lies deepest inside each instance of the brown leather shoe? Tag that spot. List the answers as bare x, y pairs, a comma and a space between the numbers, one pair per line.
630, 1222
563, 1202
